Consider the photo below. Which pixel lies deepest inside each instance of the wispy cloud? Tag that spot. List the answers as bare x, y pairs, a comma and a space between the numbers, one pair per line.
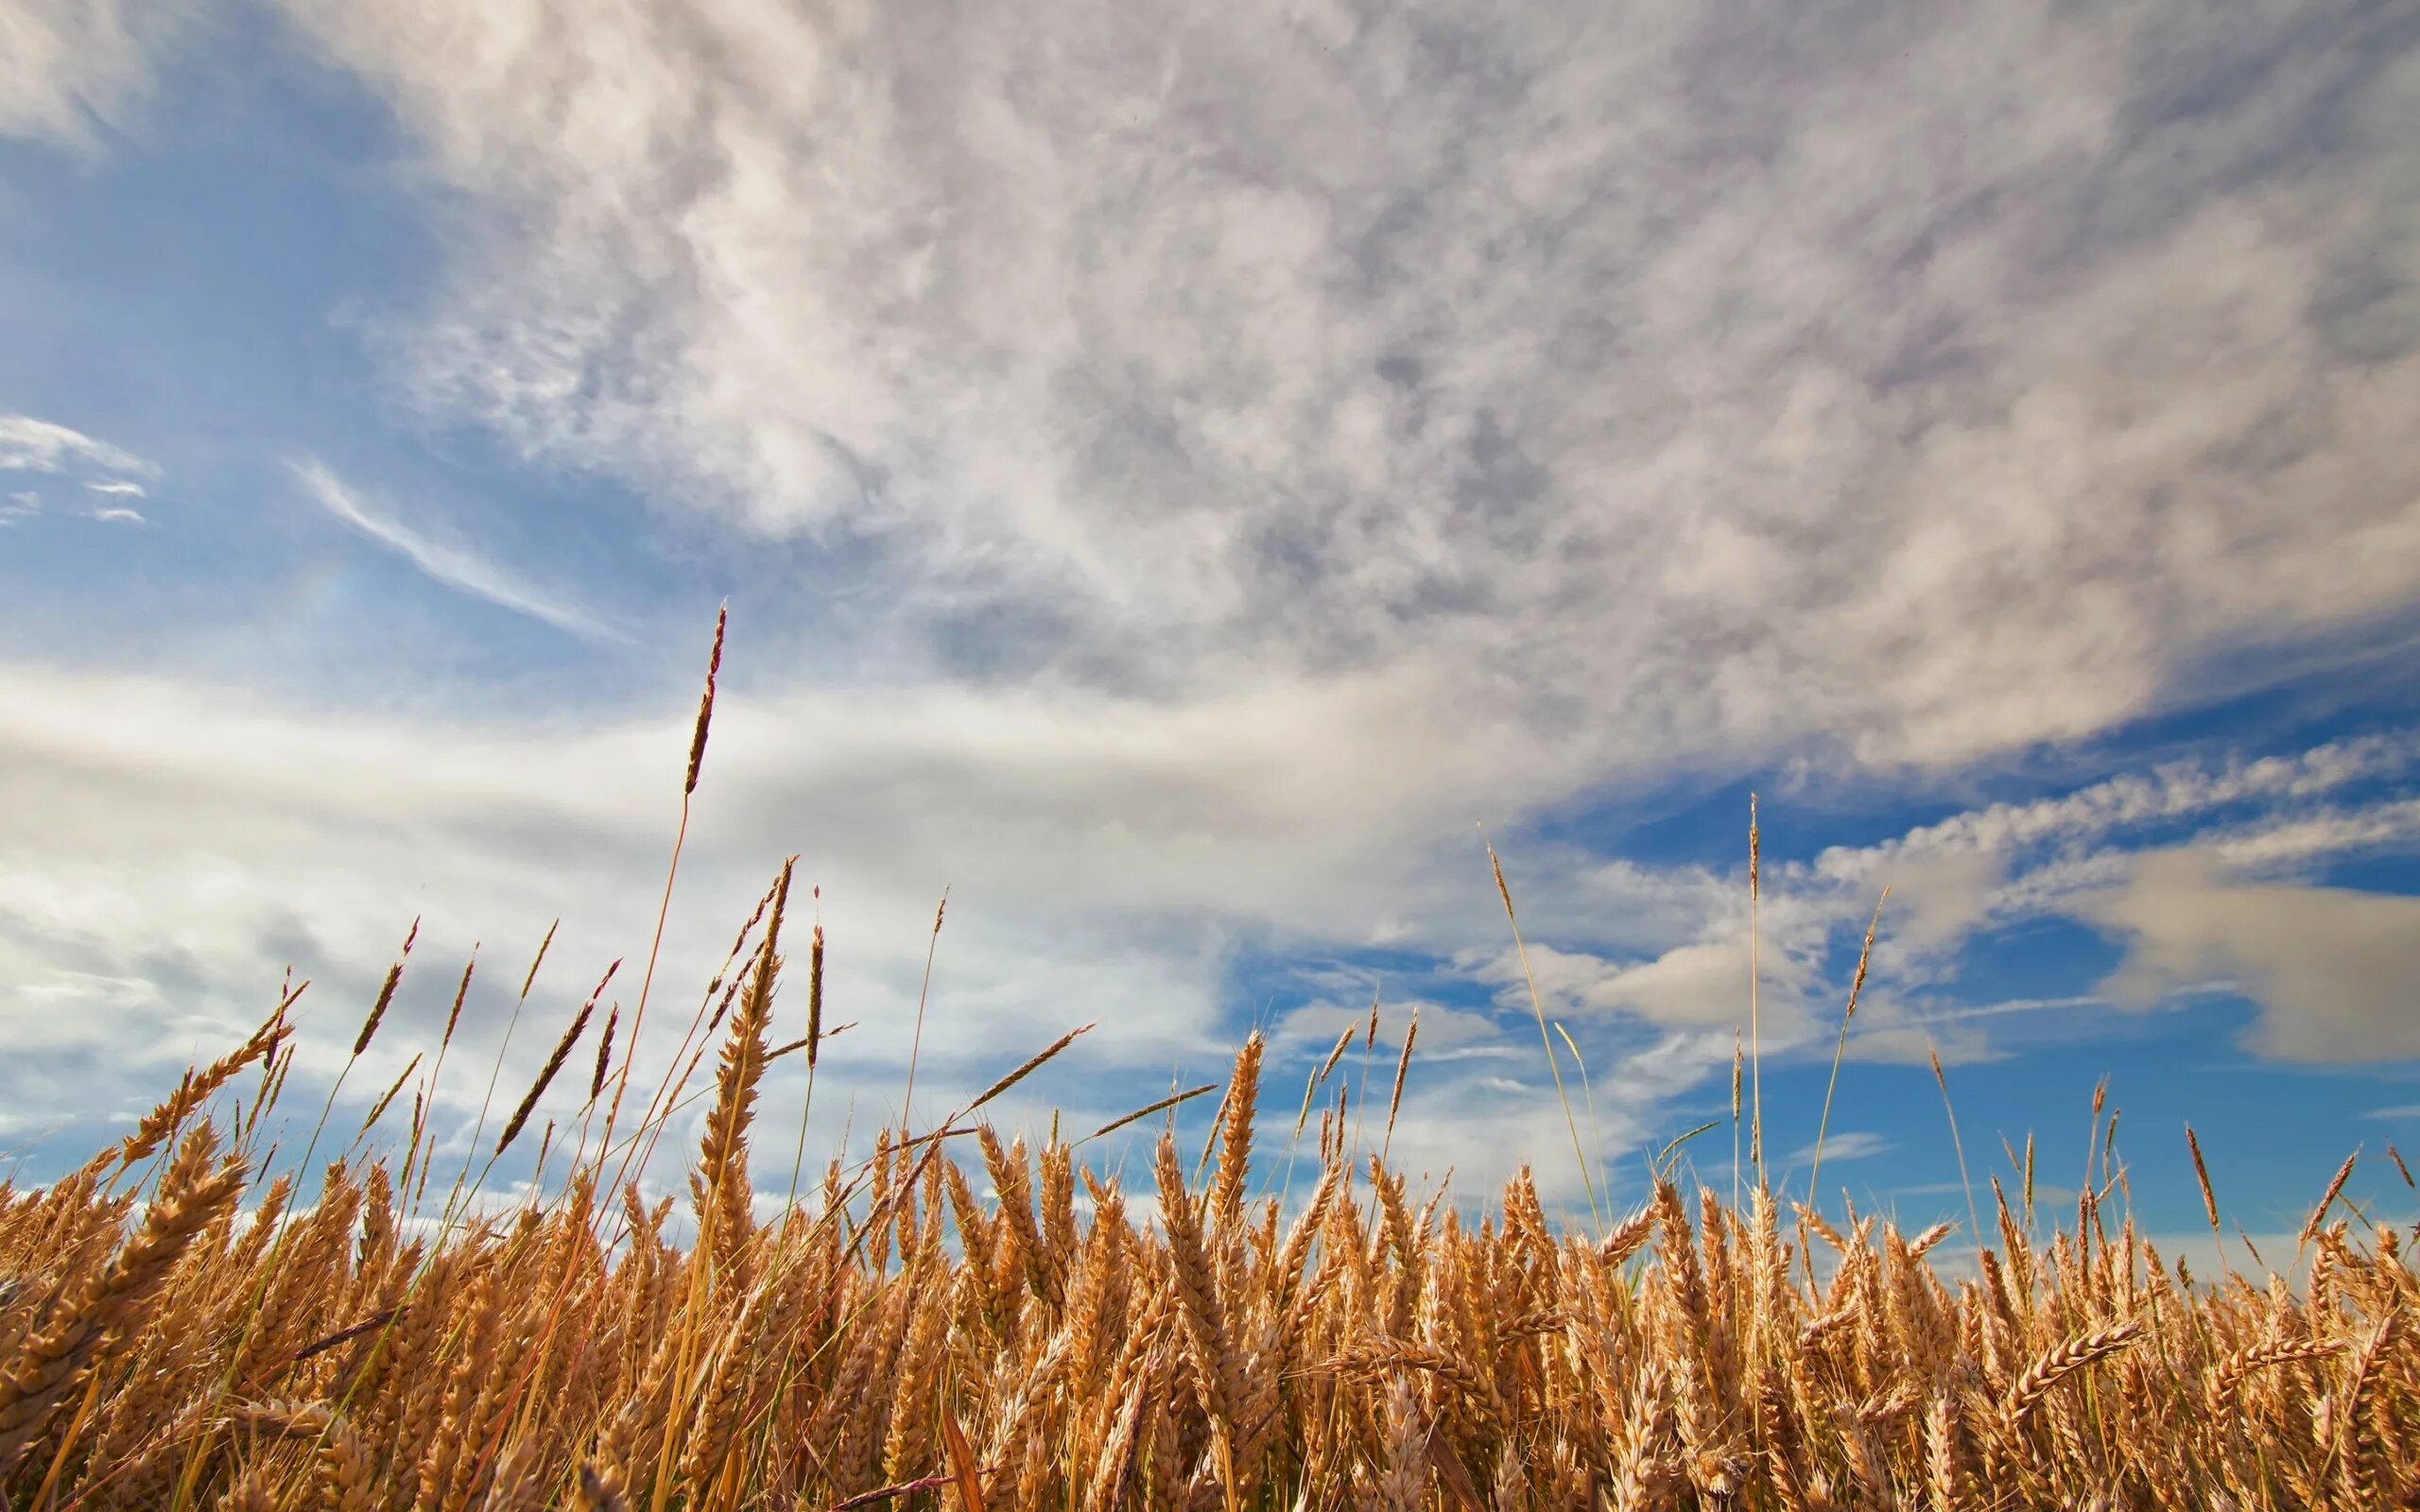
30, 445
1312, 1029
1848, 1144
457, 567
72, 66
2259, 824
40, 446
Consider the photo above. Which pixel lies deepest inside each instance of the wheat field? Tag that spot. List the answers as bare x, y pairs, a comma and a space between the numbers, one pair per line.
999, 1327
959, 1321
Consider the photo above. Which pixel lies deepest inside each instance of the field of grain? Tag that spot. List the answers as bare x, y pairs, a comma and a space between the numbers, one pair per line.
959, 1321
1008, 1334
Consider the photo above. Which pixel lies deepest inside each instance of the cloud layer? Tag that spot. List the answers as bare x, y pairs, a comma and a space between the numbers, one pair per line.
1922, 383
170, 850
2332, 968
69, 67
1229, 452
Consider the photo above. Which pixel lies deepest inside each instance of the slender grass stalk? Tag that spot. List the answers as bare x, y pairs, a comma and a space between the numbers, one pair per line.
360, 1043
1856, 984
1361, 1085
437, 1074
378, 1109
1974, 1218
916, 1042
495, 1068
671, 872
1310, 1088
1660, 1164
2209, 1198
1737, 1056
1756, 984
2092, 1141
2029, 1183
1403, 1065
1595, 1212
813, 1044
1588, 1098
1164, 1105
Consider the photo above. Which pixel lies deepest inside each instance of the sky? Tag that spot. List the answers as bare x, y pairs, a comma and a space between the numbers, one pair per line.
1175, 475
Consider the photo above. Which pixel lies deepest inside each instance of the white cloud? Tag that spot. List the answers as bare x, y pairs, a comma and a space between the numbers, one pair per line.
2331, 969
69, 66
2283, 845
1089, 850
30, 445
2176, 791
1919, 391
1997, 865
1993, 867
40, 446
1312, 1029
1697, 985
1104, 866
1844, 1145
457, 567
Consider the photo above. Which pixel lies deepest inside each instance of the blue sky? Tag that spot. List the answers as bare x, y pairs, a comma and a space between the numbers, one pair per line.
1170, 474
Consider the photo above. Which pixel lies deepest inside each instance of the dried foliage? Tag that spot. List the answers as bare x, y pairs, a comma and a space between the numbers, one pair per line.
900, 1340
